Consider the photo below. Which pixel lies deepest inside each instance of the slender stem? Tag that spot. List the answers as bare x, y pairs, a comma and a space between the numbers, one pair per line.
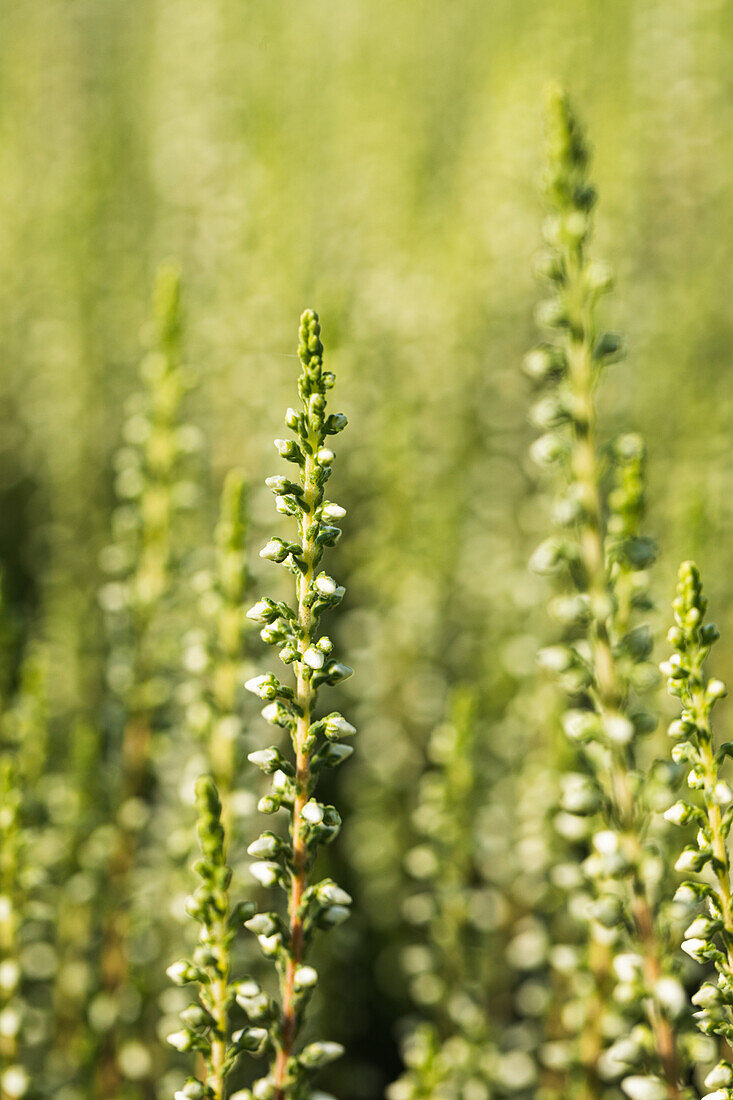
219, 1011
304, 697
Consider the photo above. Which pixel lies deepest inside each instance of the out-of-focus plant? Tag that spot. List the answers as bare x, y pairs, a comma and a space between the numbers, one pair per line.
602, 558
206, 1023
709, 938
26, 958
145, 561
454, 1053
214, 655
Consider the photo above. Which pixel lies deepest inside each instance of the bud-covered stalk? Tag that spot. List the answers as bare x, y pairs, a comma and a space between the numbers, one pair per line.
316, 742
14, 1078
206, 1024
599, 551
450, 971
152, 491
708, 938
23, 757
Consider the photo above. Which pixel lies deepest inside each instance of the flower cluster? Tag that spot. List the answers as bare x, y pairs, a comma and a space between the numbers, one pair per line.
601, 559
317, 742
206, 1023
709, 938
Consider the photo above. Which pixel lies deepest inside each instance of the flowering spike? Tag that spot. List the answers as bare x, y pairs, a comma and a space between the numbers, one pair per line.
708, 937
599, 556
315, 742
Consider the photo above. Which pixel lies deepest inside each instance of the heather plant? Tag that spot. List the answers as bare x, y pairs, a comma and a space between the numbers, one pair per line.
14, 1077
206, 1023
317, 744
24, 951
214, 655
144, 558
452, 1052
602, 558
709, 938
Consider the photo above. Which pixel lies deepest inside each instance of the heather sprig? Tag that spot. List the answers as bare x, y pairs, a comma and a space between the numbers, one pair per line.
206, 1023
23, 752
453, 909
14, 1077
709, 938
153, 489
602, 556
316, 742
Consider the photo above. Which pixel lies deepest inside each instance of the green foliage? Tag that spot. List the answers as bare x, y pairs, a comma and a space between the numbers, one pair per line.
379, 157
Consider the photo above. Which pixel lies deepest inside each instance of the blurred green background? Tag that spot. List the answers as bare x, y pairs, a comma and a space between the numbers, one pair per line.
376, 160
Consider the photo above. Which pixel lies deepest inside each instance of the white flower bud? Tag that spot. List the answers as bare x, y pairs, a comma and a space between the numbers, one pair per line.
264, 758
313, 658
688, 860
618, 729
260, 612
260, 685
264, 1089
325, 585
265, 872
707, 996
178, 972
9, 975
333, 511
671, 995
695, 948
270, 945
644, 1088
262, 924
627, 966
9, 1022
722, 793
336, 914
720, 1076
320, 1054
179, 1039
679, 814
325, 456
703, 927
312, 812
275, 714
305, 977
248, 988
15, 1082
263, 847
332, 894
272, 550
606, 842
336, 725
716, 689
